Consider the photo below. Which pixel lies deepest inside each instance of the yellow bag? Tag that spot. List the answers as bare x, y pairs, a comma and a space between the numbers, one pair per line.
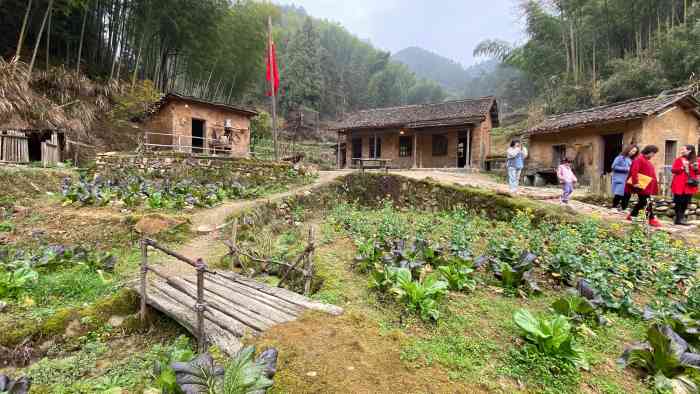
644, 181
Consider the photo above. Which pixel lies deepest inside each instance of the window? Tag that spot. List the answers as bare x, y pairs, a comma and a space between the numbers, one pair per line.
405, 146
439, 145
375, 154
670, 153
558, 153
356, 148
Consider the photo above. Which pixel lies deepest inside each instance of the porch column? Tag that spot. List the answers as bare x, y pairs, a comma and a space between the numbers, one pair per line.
468, 148
338, 150
415, 150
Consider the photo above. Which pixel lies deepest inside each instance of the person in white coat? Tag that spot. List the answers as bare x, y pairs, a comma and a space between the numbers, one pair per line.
516, 155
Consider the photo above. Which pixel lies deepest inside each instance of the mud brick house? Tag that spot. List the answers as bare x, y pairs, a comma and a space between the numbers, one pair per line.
592, 138
188, 124
453, 134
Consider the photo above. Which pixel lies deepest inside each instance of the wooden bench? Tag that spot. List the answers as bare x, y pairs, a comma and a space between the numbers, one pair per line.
373, 164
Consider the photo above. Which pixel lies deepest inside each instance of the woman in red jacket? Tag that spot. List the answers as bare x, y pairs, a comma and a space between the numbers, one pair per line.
685, 181
642, 166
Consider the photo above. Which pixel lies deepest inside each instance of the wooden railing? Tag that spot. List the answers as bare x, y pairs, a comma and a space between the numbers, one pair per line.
602, 186
302, 264
201, 268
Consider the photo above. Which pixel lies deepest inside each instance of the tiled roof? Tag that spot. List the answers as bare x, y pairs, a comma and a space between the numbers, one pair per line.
423, 115
156, 106
625, 110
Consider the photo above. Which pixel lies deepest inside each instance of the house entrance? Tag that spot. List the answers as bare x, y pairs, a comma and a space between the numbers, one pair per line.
197, 135
612, 146
464, 152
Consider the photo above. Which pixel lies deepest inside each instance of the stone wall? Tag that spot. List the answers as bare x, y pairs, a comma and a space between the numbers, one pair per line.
176, 166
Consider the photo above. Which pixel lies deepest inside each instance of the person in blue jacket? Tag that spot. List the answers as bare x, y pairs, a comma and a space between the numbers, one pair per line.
620, 172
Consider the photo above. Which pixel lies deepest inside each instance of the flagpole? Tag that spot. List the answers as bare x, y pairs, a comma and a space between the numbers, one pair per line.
273, 94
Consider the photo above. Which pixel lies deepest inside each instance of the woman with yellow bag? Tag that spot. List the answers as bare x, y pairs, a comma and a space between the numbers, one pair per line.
642, 182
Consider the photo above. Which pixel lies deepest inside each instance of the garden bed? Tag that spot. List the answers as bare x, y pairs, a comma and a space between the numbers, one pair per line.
441, 286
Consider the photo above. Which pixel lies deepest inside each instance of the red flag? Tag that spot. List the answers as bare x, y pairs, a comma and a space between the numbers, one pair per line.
273, 76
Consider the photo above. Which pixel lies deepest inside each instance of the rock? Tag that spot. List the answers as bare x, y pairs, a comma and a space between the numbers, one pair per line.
661, 209
693, 207
74, 329
3, 305
312, 374
116, 321
155, 224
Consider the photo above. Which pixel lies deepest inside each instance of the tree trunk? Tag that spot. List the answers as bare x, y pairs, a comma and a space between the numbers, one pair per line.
82, 37
138, 60
23, 31
38, 38
48, 40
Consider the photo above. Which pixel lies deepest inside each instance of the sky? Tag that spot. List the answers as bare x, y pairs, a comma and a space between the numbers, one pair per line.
451, 28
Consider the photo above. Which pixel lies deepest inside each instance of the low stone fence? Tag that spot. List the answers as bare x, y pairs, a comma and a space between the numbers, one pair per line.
176, 166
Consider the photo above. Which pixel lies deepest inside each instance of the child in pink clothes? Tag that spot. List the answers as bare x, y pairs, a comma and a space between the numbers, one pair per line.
567, 179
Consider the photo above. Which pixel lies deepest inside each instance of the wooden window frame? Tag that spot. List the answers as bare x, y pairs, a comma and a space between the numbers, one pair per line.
405, 146
440, 145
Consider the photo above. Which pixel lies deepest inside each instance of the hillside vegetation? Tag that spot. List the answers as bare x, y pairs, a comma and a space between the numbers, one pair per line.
583, 53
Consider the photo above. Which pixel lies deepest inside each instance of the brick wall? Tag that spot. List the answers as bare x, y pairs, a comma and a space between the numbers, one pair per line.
176, 117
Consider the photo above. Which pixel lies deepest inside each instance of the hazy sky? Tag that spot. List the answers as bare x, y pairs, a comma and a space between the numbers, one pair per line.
451, 28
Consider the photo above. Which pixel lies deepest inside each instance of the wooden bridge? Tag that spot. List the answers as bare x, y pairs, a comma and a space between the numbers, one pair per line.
218, 307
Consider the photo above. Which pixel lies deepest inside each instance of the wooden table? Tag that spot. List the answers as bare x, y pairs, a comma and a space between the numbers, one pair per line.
370, 164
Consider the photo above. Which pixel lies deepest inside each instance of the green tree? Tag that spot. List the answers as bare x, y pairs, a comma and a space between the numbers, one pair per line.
302, 83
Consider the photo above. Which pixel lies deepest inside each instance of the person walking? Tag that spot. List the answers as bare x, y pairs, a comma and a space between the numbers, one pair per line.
620, 172
642, 182
516, 155
567, 179
685, 181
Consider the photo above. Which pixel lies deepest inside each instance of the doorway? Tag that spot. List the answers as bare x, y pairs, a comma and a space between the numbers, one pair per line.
464, 151
197, 135
356, 150
612, 146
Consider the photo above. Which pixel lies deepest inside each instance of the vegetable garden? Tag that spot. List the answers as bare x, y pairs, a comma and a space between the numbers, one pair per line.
502, 296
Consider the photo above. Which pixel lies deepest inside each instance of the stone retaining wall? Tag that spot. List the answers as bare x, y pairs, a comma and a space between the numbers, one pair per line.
175, 166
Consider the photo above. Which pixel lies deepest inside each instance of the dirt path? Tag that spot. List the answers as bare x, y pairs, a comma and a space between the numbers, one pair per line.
206, 222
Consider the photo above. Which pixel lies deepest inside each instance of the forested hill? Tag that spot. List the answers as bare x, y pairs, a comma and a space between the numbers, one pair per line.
213, 49
448, 73
326, 68
487, 78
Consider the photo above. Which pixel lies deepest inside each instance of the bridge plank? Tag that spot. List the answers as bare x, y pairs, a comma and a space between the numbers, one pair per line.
284, 294
214, 333
214, 314
250, 318
275, 302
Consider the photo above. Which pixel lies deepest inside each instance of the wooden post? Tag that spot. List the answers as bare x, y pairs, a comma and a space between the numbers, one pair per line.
200, 306
144, 279
234, 241
415, 149
308, 266
273, 93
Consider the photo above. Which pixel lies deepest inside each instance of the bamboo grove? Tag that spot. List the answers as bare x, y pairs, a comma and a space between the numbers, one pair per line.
585, 52
213, 49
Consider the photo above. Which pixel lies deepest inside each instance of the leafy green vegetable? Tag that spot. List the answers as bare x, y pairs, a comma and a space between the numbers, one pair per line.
579, 310
13, 280
550, 336
165, 378
666, 357
458, 277
242, 375
516, 276
419, 296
